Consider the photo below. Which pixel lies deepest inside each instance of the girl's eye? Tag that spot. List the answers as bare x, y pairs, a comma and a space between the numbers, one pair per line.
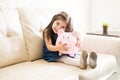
57, 23
62, 26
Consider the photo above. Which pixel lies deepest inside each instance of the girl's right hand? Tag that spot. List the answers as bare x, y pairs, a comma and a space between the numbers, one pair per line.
62, 47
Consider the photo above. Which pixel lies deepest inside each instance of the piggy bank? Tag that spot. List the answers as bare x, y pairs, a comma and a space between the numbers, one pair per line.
70, 38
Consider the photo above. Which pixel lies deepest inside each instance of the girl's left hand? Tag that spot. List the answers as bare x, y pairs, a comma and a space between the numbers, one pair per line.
78, 42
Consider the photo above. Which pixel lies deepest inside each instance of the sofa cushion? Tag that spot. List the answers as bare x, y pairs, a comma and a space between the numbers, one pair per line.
33, 21
3, 29
12, 47
42, 70
39, 70
30, 21
106, 66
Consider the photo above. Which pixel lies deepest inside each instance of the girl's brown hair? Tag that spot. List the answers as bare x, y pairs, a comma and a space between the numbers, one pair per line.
48, 32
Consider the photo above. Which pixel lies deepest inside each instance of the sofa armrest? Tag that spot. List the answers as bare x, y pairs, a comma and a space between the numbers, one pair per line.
102, 44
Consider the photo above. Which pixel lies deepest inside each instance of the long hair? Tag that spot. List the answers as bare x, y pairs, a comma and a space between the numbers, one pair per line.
48, 32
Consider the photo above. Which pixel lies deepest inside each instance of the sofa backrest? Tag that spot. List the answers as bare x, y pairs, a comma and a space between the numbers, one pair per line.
33, 21
31, 26
12, 45
21, 33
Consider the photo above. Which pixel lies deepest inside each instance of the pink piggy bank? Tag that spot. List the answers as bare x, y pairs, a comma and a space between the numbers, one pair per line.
70, 38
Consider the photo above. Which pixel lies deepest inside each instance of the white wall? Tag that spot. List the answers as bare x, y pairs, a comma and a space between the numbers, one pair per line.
88, 15
8, 3
105, 10
78, 9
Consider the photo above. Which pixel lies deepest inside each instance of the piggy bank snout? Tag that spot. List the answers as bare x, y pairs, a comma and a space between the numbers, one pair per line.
65, 42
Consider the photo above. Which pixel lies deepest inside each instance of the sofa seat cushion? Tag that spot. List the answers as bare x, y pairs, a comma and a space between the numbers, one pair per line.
106, 66
39, 70
42, 70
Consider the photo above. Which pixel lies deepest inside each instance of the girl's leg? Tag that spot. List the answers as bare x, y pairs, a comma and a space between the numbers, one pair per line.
75, 61
79, 60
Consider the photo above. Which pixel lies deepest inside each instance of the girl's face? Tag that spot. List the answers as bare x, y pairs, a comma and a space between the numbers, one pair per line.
59, 24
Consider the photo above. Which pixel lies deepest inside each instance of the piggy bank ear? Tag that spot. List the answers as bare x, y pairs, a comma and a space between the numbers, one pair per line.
60, 31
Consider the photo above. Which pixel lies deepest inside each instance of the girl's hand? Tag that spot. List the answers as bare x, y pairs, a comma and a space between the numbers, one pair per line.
78, 42
62, 47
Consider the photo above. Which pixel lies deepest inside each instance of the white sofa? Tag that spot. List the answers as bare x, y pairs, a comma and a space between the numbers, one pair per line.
21, 50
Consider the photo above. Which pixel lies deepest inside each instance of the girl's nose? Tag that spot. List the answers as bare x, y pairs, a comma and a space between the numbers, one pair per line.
58, 27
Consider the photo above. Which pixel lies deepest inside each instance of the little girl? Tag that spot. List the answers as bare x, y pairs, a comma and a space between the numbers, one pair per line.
63, 21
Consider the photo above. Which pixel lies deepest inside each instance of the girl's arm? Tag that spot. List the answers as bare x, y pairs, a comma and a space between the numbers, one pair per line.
54, 47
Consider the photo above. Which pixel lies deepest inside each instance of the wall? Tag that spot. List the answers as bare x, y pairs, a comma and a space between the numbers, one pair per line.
78, 9
105, 10
88, 15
